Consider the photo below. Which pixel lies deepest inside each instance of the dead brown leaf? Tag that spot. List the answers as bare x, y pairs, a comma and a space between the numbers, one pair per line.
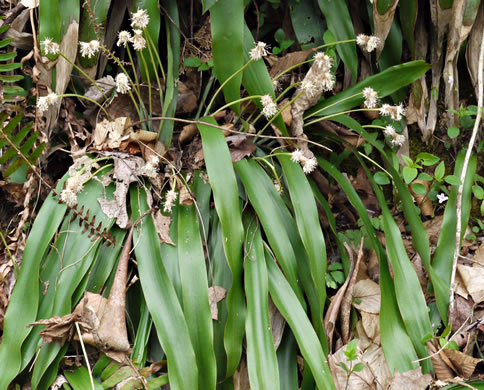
423, 201
278, 323
289, 60
383, 23
240, 146
411, 380
464, 364
215, 295
472, 278
162, 224
366, 296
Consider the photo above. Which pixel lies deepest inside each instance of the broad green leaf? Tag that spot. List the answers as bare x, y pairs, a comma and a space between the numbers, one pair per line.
453, 180
428, 159
408, 18
196, 305
439, 171
307, 220
226, 197
79, 379
385, 83
453, 132
168, 318
419, 189
22, 308
381, 178
409, 174
227, 26
261, 355
49, 23
478, 192
287, 303
287, 361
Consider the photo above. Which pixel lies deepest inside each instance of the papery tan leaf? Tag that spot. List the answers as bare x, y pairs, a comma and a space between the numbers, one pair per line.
68, 47
105, 84
162, 224
278, 324
463, 16
423, 201
464, 364
187, 101
187, 133
240, 146
411, 380
371, 325
441, 368
366, 296
383, 24
21, 39
241, 377
289, 60
215, 295
473, 46
472, 278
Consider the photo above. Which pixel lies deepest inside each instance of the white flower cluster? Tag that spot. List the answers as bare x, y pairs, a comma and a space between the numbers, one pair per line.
122, 83
50, 47
73, 186
269, 107
139, 21
150, 168
258, 51
89, 49
308, 164
367, 42
397, 139
371, 97
45, 101
394, 112
324, 61
169, 201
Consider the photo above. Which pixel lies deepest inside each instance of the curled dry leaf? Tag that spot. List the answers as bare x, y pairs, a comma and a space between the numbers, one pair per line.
366, 296
278, 324
240, 146
423, 201
162, 224
289, 60
107, 86
383, 24
215, 295
464, 364
472, 278
187, 133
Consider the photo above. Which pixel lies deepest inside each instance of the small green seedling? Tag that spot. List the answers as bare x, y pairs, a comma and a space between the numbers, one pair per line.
351, 355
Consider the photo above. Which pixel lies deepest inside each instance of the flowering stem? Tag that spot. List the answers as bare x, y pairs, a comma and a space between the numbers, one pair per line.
335, 43
338, 114
155, 50
281, 110
224, 84
145, 65
94, 161
154, 68
88, 99
134, 71
333, 104
204, 96
85, 75
235, 102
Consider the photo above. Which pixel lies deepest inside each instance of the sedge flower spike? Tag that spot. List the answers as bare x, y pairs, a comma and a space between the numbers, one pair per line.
394, 112
324, 61
139, 43
309, 164
297, 155
397, 139
371, 97
169, 201
68, 197
122, 83
325, 81
367, 42
140, 19
45, 101
258, 51
123, 38
50, 47
89, 49
269, 107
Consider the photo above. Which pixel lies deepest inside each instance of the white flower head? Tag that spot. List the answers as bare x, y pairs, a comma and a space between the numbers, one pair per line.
389, 131
169, 201
442, 197
297, 155
74, 184
371, 97
123, 38
394, 112
139, 43
323, 61
309, 164
149, 170
122, 83
140, 19
258, 51
68, 197
398, 139
45, 101
309, 87
269, 107
89, 49
50, 47
367, 42
325, 81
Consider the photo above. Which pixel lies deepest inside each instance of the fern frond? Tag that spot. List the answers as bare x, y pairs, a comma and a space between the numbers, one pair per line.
24, 144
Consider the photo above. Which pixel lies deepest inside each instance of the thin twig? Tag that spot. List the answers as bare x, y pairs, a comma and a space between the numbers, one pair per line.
463, 175
85, 356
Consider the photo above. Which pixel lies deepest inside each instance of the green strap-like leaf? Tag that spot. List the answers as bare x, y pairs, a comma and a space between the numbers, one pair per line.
226, 197
227, 26
22, 308
196, 306
162, 300
287, 303
261, 355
